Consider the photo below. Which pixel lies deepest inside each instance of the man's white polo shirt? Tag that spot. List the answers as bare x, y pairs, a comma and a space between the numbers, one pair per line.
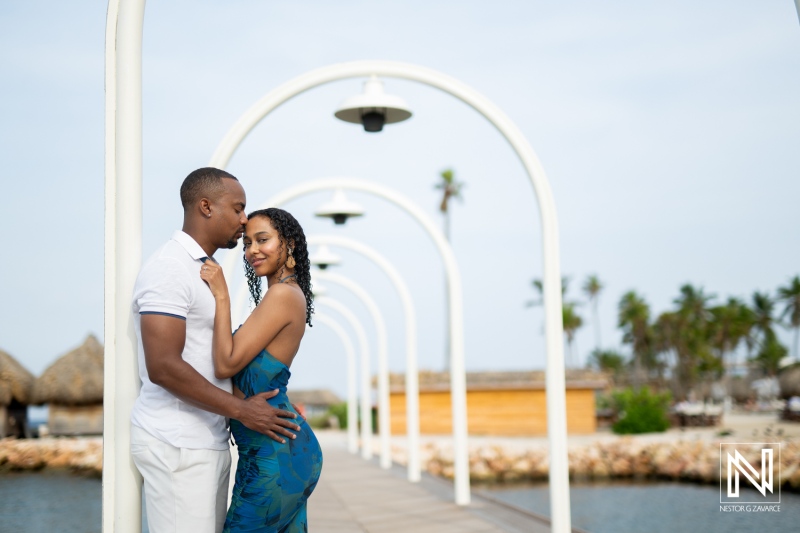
169, 284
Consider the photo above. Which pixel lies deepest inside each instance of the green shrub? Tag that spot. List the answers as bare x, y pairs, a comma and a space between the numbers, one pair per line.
640, 411
318, 422
339, 411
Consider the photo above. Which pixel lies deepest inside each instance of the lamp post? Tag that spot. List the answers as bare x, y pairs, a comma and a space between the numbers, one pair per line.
366, 397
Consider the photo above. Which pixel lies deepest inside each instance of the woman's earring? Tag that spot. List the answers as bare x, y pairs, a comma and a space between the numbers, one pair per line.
290, 262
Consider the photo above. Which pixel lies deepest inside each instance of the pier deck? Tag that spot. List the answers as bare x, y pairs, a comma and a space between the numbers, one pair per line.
357, 496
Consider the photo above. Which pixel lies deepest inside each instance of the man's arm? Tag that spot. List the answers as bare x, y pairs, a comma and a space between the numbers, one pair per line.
163, 339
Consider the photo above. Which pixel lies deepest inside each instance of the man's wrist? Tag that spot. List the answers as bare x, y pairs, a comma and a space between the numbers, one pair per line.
238, 407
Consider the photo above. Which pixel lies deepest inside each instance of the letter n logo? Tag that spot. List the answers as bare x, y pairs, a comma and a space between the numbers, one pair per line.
759, 476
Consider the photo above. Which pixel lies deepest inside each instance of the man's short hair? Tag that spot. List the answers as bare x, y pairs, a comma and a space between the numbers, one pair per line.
202, 183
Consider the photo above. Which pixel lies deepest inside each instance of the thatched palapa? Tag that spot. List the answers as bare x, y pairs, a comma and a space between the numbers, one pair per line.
16, 382
315, 402
73, 388
16, 385
74, 379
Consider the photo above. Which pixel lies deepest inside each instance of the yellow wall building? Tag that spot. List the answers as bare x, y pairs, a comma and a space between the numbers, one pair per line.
498, 403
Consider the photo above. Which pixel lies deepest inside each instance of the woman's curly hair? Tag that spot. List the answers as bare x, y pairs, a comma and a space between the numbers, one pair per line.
288, 230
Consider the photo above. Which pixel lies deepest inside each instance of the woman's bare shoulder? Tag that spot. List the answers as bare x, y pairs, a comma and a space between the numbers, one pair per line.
284, 294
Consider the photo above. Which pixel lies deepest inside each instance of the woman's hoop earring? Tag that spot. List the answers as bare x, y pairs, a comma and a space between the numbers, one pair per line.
290, 263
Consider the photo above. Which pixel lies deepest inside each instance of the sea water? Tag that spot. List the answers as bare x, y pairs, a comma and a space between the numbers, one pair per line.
45, 501
655, 507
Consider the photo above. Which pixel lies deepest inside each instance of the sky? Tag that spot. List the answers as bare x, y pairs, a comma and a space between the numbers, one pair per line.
669, 132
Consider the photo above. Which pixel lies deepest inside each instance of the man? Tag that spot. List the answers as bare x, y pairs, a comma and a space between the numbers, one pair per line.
179, 435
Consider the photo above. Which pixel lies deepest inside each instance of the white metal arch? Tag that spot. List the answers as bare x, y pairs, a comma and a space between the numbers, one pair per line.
350, 354
364, 370
384, 429
123, 238
555, 380
414, 467
458, 384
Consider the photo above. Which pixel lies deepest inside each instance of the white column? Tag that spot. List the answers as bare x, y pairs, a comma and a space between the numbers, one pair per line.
127, 507
384, 422
366, 388
350, 354
109, 303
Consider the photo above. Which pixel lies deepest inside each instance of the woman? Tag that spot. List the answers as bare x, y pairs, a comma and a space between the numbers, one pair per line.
273, 479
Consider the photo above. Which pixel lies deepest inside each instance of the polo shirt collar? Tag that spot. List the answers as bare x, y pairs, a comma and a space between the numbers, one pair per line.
190, 245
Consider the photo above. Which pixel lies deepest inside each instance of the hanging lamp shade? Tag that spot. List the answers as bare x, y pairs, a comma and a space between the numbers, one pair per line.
373, 107
323, 258
317, 289
339, 208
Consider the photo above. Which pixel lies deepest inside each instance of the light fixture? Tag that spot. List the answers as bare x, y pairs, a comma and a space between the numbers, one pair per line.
373, 108
323, 258
339, 208
317, 289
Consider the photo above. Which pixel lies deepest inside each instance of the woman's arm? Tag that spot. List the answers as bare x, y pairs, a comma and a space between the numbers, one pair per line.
231, 354
222, 342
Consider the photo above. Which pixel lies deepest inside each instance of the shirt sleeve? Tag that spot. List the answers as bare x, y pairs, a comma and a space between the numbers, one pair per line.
164, 288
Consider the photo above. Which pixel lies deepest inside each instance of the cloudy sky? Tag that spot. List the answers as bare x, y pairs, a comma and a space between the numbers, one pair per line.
668, 130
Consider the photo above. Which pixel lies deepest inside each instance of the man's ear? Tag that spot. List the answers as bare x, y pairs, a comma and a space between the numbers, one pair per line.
205, 207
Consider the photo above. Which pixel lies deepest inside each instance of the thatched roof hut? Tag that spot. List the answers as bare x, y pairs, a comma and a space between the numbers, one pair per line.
16, 383
76, 378
314, 397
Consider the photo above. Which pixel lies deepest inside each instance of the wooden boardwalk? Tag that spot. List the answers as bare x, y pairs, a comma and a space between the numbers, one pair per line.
357, 496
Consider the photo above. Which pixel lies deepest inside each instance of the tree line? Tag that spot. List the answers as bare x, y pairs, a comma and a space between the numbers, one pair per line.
694, 341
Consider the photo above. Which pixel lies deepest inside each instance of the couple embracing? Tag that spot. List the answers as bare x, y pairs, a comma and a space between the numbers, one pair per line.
196, 375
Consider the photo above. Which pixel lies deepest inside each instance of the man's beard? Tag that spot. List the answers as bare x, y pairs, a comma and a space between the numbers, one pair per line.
232, 244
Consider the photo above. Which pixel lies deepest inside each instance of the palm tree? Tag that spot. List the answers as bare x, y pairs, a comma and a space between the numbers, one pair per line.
764, 311
539, 286
693, 337
608, 361
592, 287
770, 351
731, 324
450, 189
634, 319
570, 318
572, 322
790, 297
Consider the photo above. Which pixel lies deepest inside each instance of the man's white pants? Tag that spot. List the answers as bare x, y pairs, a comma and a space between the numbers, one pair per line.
185, 490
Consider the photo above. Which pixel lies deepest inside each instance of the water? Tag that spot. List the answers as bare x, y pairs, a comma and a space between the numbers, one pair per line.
36, 502
654, 507
59, 501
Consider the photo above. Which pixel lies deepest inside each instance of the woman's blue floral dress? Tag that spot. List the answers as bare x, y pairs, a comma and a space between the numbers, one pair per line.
273, 480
